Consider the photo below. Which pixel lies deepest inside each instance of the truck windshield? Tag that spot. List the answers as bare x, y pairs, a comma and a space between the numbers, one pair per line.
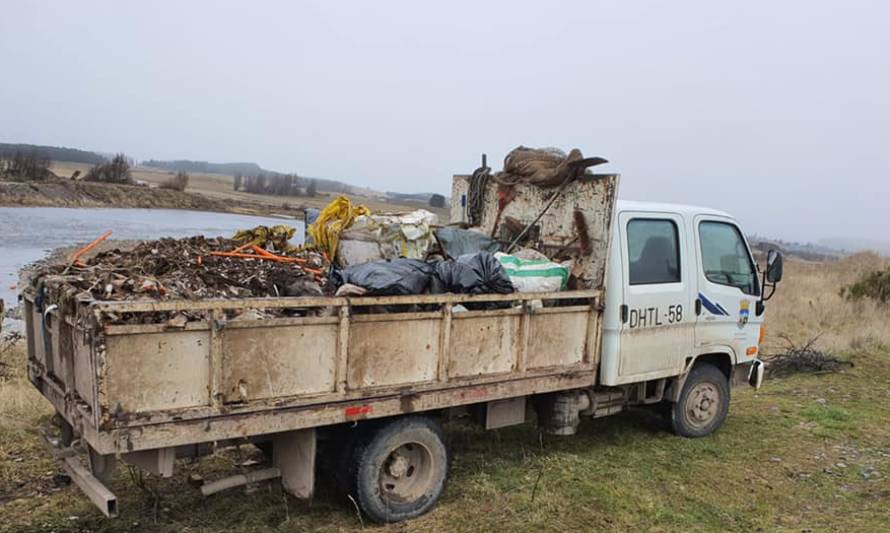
725, 257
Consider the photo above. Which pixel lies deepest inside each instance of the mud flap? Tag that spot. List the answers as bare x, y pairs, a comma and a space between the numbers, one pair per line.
755, 374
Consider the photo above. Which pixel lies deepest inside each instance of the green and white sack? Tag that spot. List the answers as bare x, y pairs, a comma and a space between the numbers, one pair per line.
534, 275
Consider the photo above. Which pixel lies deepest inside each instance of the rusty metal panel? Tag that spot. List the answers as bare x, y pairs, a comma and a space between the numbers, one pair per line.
593, 197
482, 345
269, 362
28, 313
36, 333
505, 413
55, 345
157, 371
556, 339
84, 375
392, 352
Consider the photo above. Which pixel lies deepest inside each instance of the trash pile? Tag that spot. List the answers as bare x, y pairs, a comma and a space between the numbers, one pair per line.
191, 268
348, 252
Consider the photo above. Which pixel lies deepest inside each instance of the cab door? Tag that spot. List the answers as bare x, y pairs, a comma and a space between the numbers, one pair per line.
728, 290
657, 318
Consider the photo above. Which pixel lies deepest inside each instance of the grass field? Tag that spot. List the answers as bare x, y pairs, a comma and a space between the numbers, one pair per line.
219, 186
807, 452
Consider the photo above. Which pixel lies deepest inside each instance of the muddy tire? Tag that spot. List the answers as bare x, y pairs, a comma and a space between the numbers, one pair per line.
398, 470
703, 403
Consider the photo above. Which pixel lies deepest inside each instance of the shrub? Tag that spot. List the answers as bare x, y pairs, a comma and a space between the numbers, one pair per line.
115, 171
25, 166
437, 200
874, 285
177, 183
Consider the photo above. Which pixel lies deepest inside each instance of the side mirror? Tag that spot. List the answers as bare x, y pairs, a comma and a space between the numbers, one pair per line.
773, 266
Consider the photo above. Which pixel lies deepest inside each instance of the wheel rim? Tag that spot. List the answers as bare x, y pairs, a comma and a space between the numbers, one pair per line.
702, 404
407, 473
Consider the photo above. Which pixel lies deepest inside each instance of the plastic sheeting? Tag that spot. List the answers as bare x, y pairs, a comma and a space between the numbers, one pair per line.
457, 242
373, 237
387, 278
478, 273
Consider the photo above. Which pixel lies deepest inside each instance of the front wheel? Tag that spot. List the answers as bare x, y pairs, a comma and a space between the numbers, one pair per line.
399, 469
703, 403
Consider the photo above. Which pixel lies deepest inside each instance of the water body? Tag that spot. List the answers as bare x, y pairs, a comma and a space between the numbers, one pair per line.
29, 233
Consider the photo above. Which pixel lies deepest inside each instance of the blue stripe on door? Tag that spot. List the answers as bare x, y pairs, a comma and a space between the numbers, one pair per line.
714, 309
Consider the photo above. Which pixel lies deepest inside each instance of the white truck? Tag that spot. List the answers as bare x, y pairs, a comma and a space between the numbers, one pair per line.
670, 313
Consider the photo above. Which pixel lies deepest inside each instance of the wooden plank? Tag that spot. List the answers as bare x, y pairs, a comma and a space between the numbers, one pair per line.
215, 358
160, 371
556, 339
133, 306
594, 330
394, 317
483, 345
444, 344
269, 362
522, 351
393, 353
342, 350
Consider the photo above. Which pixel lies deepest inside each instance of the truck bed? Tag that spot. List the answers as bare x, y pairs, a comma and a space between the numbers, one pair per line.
129, 387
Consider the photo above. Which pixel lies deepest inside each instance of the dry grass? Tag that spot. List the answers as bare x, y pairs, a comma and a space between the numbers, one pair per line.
808, 452
809, 303
219, 186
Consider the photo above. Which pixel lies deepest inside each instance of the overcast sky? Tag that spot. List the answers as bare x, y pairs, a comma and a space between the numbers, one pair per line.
775, 111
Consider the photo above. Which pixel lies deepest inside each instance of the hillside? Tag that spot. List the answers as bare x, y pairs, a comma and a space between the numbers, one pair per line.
244, 169
857, 245
185, 165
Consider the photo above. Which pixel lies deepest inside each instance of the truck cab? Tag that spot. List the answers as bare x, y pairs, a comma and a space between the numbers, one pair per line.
681, 284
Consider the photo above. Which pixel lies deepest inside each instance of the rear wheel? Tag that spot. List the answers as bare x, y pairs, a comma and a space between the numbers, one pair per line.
703, 403
399, 469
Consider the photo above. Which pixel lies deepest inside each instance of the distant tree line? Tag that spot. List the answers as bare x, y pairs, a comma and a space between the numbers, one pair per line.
185, 165
51, 153
25, 166
244, 170
276, 184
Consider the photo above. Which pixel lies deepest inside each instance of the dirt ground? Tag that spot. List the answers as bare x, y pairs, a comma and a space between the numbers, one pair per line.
809, 452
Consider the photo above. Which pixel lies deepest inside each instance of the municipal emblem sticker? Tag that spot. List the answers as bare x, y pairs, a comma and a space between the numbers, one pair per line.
744, 311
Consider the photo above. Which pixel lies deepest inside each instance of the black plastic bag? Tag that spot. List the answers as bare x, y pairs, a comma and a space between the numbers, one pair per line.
478, 273
457, 242
387, 278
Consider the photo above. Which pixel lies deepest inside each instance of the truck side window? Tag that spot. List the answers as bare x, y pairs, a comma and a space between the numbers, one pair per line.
725, 257
654, 251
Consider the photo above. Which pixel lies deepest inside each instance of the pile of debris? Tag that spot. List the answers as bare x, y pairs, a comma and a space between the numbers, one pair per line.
802, 358
349, 252
191, 268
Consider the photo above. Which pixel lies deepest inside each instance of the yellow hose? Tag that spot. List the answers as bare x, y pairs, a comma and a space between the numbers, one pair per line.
333, 219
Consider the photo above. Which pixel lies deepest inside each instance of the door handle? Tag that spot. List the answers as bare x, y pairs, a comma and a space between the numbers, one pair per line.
623, 313
697, 306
